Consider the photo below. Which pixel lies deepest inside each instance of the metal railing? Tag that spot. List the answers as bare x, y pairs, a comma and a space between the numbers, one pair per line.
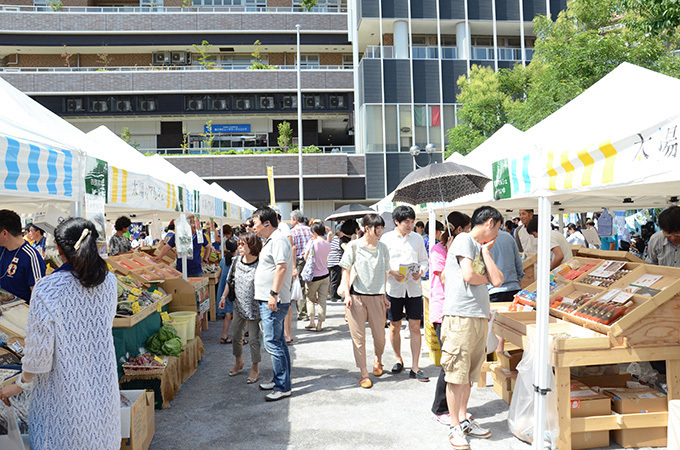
448, 52
218, 151
162, 68
170, 9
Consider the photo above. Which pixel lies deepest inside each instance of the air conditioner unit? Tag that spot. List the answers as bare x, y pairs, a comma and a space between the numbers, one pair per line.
147, 105
334, 101
181, 58
161, 58
195, 105
74, 105
100, 105
266, 102
309, 102
219, 104
241, 104
288, 102
123, 105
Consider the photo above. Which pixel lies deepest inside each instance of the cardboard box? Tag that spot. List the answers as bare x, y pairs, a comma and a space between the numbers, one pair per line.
510, 359
503, 381
638, 400
187, 295
606, 381
137, 423
585, 402
593, 439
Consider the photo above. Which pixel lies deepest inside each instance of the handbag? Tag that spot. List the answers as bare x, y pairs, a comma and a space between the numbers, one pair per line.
230, 281
308, 271
352, 274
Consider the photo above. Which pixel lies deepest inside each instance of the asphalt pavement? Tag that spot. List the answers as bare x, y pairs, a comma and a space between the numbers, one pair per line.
327, 408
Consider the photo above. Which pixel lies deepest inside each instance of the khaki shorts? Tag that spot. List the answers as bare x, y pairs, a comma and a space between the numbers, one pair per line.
463, 348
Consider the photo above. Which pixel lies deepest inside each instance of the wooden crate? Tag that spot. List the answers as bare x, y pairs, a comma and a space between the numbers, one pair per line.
572, 291
130, 321
630, 267
529, 267
576, 263
615, 255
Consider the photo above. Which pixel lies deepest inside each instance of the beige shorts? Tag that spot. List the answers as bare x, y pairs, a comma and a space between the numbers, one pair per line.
463, 348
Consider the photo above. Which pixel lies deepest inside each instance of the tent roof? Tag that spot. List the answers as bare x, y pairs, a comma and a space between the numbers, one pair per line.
507, 139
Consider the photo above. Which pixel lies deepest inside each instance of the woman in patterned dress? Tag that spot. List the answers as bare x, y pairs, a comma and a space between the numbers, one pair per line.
69, 365
246, 309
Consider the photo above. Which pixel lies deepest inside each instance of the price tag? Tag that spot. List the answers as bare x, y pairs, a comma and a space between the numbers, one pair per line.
159, 308
110, 267
132, 298
165, 317
137, 292
156, 358
135, 308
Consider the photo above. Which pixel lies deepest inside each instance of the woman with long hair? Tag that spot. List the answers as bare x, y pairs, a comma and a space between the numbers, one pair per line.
457, 223
246, 309
69, 361
365, 264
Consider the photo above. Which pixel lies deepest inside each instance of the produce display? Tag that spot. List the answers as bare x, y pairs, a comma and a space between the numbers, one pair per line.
6, 296
131, 293
607, 274
569, 305
210, 268
165, 342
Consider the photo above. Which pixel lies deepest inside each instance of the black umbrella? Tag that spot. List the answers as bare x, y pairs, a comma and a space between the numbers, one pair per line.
351, 211
444, 182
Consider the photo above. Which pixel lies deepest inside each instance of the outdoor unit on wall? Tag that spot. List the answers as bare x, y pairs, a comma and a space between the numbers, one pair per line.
147, 105
100, 105
195, 104
267, 102
123, 105
181, 58
309, 101
288, 101
161, 58
74, 105
219, 104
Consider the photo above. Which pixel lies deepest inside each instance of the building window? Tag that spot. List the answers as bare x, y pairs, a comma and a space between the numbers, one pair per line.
308, 61
347, 61
289, 102
74, 105
321, 6
243, 3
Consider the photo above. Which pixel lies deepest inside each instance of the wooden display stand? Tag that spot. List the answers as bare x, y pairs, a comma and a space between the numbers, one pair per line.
130, 321
212, 289
192, 294
529, 267
649, 331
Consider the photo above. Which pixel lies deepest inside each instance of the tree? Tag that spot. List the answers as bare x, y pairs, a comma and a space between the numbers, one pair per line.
483, 111
204, 57
257, 64
658, 17
208, 135
67, 57
285, 135
126, 135
185, 141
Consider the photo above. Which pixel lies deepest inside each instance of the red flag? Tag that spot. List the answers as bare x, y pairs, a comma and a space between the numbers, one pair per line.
436, 116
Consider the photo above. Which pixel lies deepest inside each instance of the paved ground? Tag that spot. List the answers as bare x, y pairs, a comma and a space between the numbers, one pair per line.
327, 409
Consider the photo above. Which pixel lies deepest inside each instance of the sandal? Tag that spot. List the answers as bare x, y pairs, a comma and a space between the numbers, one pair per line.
310, 327
377, 368
251, 380
225, 341
365, 383
233, 373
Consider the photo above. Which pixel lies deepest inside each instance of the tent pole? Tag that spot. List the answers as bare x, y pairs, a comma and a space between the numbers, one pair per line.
222, 236
542, 317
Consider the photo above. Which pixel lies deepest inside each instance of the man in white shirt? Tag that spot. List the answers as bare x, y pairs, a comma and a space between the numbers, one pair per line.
525, 242
559, 247
408, 263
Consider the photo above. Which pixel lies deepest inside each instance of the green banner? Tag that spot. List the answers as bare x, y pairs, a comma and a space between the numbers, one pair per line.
501, 180
96, 177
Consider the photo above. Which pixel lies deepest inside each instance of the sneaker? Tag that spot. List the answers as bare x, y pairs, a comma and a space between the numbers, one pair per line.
472, 428
457, 438
267, 386
444, 419
420, 375
276, 395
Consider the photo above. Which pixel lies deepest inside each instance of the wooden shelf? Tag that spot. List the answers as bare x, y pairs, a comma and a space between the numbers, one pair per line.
130, 321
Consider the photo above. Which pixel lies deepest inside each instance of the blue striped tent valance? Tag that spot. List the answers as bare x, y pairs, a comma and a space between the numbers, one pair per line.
37, 170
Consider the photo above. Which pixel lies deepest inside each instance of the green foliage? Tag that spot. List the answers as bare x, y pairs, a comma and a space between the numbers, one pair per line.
126, 135
55, 5
185, 140
204, 57
248, 152
186, 3
584, 43
309, 4
209, 136
285, 135
311, 149
257, 64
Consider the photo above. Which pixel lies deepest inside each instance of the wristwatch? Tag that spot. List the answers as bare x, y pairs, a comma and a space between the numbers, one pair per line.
274, 293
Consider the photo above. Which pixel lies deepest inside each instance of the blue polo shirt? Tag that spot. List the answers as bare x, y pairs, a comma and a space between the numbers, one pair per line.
20, 269
193, 264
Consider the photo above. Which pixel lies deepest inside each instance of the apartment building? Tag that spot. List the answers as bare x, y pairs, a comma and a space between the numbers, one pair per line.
187, 77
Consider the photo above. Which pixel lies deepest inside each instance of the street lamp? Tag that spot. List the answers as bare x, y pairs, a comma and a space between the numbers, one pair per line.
415, 151
299, 110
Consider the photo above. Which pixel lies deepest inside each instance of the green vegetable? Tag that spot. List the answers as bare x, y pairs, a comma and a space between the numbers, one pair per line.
154, 344
167, 332
172, 347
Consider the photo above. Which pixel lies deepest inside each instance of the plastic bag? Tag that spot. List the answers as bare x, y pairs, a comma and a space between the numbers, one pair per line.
183, 238
12, 440
296, 290
521, 412
491, 338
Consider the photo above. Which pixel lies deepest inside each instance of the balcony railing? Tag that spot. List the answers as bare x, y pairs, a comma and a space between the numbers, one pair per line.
169, 9
216, 151
161, 68
478, 53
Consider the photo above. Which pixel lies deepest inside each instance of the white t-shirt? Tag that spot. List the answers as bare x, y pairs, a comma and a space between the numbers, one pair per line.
558, 240
576, 238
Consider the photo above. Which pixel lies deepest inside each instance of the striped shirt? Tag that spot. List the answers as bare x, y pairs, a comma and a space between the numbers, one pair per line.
335, 255
20, 269
301, 235
662, 252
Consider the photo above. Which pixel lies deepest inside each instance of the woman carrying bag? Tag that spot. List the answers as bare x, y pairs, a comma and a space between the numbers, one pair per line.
241, 284
316, 288
365, 264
